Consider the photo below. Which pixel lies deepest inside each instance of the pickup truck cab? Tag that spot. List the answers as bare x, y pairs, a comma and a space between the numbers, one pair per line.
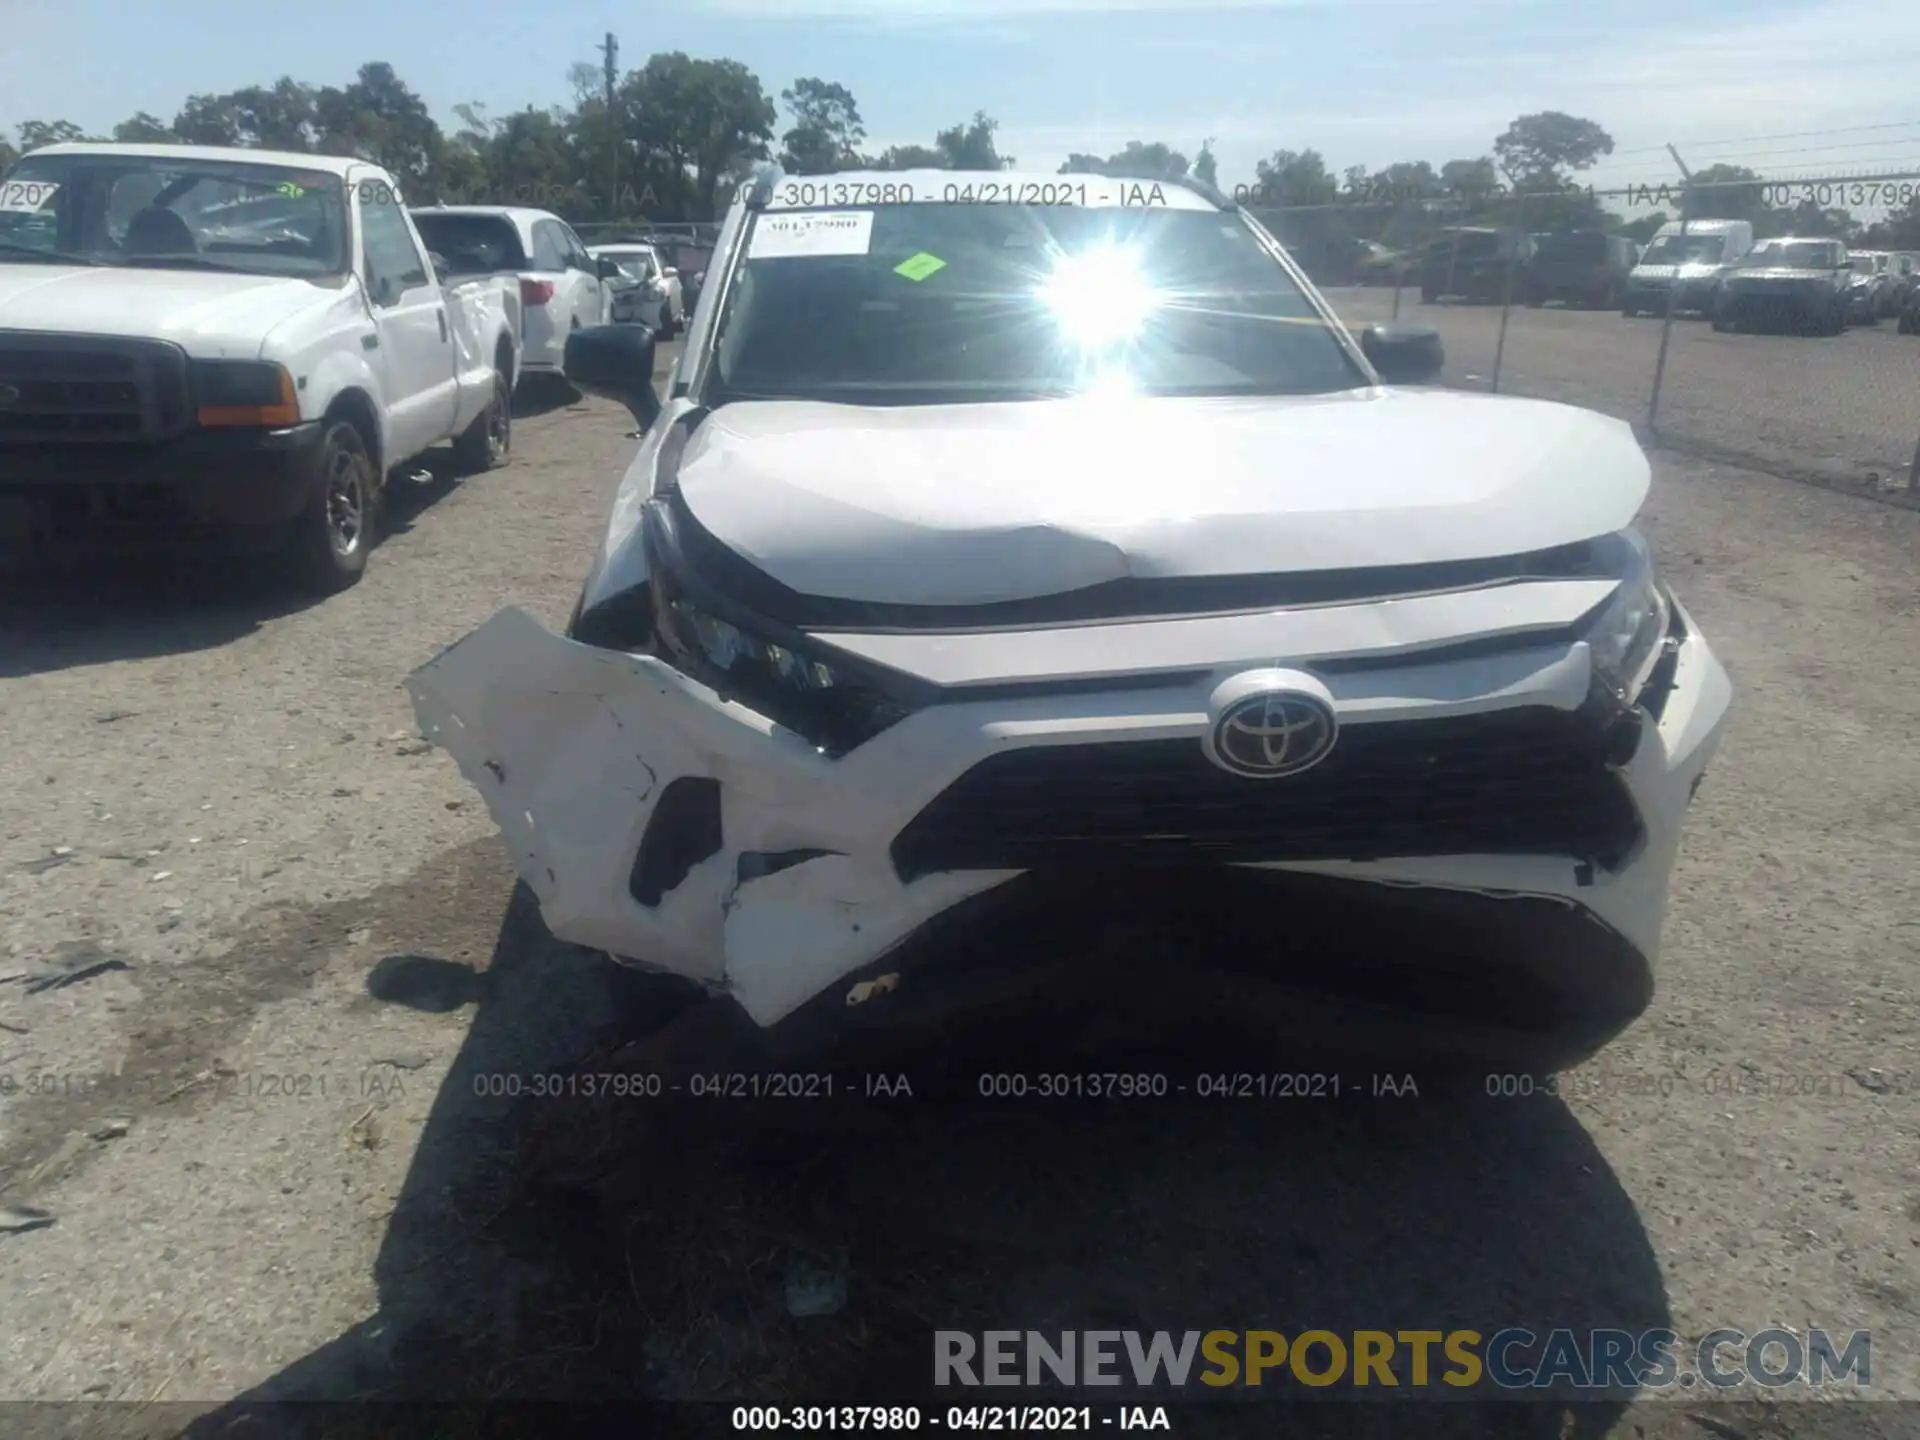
203, 345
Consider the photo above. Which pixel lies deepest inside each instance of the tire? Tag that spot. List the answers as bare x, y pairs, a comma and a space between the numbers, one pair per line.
1836, 322
487, 443
1905, 326
666, 327
1428, 295
335, 530
1723, 323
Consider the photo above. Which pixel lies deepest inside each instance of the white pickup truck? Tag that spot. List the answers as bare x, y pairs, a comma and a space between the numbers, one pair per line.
234, 348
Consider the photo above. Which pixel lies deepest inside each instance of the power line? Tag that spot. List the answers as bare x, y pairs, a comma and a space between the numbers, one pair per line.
1795, 150
1788, 135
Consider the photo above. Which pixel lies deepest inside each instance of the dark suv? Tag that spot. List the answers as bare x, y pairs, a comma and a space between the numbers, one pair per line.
1581, 267
1473, 262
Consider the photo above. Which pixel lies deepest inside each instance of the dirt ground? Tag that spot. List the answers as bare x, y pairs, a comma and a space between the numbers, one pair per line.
265, 1133
1843, 411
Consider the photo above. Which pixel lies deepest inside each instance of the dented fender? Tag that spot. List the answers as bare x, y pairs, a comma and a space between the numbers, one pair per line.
572, 747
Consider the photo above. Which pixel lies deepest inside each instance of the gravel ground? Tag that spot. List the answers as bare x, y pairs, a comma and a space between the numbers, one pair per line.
259, 1133
1843, 411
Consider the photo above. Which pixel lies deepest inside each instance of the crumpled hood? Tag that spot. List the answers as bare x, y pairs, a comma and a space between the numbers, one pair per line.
975, 504
211, 316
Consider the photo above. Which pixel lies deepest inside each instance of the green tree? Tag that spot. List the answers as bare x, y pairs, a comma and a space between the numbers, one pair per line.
971, 146
967, 146
1540, 151
697, 121
1138, 161
144, 129
378, 118
1205, 168
907, 157
827, 129
280, 117
36, 133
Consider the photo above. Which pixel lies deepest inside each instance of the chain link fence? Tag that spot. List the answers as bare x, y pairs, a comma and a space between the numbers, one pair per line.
1531, 299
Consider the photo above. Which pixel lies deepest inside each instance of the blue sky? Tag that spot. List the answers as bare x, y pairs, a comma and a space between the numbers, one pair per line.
1363, 81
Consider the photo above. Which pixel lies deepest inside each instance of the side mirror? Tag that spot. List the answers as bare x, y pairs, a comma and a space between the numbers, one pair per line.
670, 273
1403, 354
615, 362
607, 268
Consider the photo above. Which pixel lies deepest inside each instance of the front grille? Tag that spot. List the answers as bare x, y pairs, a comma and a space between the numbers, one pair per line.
1518, 782
62, 389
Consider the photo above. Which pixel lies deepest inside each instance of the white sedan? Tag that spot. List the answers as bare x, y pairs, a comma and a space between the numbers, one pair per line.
649, 292
562, 287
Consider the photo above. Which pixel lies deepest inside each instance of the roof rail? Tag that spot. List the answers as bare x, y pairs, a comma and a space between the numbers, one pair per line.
762, 194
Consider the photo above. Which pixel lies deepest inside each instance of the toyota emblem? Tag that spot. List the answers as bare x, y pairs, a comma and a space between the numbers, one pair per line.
1273, 733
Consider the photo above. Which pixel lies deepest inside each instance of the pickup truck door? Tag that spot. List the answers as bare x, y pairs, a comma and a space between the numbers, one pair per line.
412, 350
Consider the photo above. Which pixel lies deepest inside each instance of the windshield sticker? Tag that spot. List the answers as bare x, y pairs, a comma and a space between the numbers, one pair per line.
26, 197
920, 266
290, 190
814, 233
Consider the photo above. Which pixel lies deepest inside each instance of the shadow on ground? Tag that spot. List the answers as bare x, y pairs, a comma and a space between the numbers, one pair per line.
649, 1250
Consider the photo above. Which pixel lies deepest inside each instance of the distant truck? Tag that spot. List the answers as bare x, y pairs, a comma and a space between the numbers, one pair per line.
1687, 262
1579, 267
230, 348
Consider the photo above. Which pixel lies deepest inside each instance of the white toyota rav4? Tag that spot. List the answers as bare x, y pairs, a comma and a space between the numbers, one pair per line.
1011, 545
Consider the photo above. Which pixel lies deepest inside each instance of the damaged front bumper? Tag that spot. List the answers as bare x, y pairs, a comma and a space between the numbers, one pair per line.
680, 831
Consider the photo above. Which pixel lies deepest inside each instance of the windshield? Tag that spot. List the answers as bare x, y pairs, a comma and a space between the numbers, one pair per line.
167, 211
930, 303
471, 244
1685, 250
634, 264
1792, 255
1571, 245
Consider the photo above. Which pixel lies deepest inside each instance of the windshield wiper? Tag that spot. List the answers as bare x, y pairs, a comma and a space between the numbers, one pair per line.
52, 257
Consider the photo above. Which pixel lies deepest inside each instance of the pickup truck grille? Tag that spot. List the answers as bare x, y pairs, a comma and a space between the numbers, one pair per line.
1531, 781
67, 389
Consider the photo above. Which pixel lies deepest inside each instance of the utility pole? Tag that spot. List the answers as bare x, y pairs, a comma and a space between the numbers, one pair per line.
611, 51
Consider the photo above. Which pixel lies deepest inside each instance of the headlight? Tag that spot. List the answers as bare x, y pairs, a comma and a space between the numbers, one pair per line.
244, 392
1626, 636
826, 701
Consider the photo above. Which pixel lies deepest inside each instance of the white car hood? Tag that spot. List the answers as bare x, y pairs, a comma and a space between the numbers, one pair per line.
211, 316
975, 504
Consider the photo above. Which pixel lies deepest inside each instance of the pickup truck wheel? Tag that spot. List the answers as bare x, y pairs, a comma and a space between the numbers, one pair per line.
332, 536
488, 441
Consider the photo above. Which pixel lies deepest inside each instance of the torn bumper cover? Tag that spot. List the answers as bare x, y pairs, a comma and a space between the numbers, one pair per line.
681, 831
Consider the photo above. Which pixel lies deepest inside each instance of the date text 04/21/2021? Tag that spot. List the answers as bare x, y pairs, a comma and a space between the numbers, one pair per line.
1016, 1419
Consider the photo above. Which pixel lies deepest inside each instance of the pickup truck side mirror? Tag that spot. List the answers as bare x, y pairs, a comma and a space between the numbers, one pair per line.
615, 362
669, 273
1403, 354
608, 268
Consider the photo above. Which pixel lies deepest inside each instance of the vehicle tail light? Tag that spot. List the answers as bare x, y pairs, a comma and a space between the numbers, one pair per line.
535, 292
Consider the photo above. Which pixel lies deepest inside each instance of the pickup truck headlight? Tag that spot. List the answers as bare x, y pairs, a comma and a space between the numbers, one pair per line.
244, 392
1626, 635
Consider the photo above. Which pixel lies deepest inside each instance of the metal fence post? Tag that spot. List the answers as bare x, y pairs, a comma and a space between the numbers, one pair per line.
1673, 297
1506, 299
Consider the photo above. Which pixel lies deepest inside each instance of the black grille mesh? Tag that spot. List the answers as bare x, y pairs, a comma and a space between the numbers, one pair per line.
1527, 781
